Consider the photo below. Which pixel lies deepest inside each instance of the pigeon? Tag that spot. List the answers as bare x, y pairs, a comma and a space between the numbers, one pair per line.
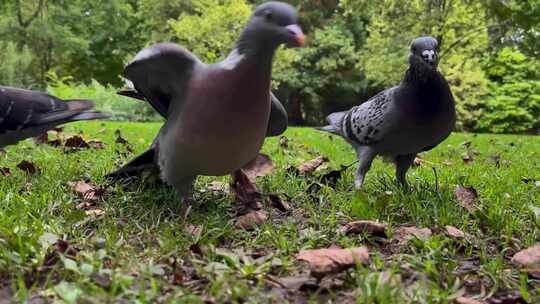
217, 115
25, 113
402, 121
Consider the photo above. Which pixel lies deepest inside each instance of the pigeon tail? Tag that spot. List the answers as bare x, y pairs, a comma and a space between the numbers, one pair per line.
134, 168
334, 121
131, 93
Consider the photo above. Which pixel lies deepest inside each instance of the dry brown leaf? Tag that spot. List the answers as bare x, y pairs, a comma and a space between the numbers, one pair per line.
246, 194
5, 171
283, 141
262, 165
328, 261
41, 139
27, 167
278, 203
466, 197
76, 142
94, 212
467, 158
251, 220
454, 232
217, 186
528, 257
193, 229
465, 300
96, 144
371, 227
310, 165
403, 234
87, 191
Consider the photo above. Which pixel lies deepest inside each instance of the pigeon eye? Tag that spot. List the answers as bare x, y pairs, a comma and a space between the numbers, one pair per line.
268, 15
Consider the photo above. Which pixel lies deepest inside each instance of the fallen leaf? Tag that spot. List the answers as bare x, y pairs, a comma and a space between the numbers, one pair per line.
454, 232
528, 257
55, 142
507, 297
418, 161
27, 167
262, 165
278, 203
87, 191
448, 163
310, 165
217, 186
405, 233
193, 229
465, 300
5, 171
251, 220
246, 194
76, 142
328, 261
466, 197
283, 141
94, 212
371, 227
291, 282
103, 280
96, 144
41, 139
467, 158
332, 177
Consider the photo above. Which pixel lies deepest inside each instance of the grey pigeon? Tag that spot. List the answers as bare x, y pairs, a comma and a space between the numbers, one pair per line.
25, 113
217, 115
401, 121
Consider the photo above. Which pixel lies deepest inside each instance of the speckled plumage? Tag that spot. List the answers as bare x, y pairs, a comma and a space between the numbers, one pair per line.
25, 113
401, 121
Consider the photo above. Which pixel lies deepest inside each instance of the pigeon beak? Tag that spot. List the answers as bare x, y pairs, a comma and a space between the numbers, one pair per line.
299, 37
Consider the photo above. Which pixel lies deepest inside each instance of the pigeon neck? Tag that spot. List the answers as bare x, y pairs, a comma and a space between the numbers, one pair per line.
420, 74
253, 45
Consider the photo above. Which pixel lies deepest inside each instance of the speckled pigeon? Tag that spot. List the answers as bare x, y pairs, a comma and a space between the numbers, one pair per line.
25, 113
218, 115
401, 121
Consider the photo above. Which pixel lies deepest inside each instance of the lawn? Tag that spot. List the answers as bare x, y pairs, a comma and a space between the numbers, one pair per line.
130, 243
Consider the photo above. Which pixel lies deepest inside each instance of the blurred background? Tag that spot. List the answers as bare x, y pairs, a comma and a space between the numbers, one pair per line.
490, 51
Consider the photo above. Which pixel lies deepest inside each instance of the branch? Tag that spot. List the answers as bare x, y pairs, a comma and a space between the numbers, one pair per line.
468, 35
27, 23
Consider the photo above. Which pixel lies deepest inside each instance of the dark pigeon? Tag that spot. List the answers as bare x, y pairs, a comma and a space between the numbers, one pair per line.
401, 121
217, 115
25, 113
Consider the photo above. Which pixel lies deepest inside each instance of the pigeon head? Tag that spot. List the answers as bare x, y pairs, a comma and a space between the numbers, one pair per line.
272, 24
424, 49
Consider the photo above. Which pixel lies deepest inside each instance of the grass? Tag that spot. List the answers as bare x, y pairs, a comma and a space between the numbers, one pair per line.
140, 251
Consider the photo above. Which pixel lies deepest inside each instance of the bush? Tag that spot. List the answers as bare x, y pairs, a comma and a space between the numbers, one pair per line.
15, 65
121, 108
514, 103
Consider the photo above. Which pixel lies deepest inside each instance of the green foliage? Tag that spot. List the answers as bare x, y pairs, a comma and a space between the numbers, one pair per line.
514, 102
121, 108
210, 33
15, 65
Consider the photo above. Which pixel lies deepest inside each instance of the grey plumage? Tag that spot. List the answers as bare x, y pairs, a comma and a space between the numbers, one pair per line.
217, 115
25, 113
401, 121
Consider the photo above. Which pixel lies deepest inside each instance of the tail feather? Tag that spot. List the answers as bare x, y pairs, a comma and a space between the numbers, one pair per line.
131, 93
89, 115
135, 167
334, 123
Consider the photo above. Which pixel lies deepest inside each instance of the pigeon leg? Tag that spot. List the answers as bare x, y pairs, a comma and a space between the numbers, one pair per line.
403, 163
184, 189
365, 156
